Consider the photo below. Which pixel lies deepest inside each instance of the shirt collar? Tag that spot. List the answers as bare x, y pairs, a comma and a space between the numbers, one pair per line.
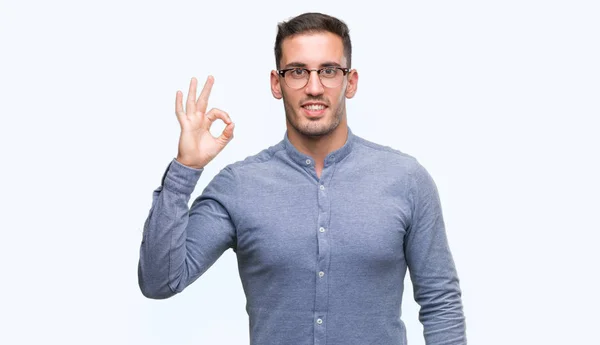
332, 157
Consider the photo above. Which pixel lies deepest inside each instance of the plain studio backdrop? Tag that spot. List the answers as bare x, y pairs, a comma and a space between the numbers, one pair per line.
499, 100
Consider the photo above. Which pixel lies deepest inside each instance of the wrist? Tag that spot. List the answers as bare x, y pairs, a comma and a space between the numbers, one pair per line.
189, 164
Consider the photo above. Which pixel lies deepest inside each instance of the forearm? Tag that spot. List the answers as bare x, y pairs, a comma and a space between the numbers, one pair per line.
436, 287
441, 310
162, 270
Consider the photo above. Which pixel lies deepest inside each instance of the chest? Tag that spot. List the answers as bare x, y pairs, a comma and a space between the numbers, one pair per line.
290, 224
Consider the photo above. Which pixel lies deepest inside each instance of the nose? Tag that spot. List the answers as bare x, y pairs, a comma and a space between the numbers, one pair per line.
314, 86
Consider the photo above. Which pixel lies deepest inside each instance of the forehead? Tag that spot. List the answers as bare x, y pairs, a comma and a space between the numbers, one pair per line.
313, 49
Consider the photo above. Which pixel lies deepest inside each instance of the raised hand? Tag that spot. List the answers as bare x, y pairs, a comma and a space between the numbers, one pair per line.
197, 146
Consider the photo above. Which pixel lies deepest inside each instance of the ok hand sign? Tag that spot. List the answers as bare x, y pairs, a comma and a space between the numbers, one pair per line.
197, 146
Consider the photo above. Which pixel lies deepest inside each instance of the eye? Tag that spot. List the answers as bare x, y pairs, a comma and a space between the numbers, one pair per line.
329, 72
297, 73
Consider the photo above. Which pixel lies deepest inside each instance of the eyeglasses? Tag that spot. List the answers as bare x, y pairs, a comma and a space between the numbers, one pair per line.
297, 77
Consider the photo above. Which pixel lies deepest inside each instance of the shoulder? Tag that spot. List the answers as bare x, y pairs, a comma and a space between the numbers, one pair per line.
256, 162
385, 156
227, 180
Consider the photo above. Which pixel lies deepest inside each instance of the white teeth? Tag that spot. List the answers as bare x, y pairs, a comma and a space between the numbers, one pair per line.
315, 107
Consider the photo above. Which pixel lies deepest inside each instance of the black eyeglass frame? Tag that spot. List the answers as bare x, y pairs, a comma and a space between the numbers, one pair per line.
282, 72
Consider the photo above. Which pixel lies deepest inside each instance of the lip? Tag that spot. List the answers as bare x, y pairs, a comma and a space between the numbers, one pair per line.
314, 113
313, 103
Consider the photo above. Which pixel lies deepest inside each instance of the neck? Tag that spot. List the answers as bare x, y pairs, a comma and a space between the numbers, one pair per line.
318, 147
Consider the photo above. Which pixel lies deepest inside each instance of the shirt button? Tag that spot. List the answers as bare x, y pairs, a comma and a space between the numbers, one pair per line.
322, 187
308, 161
321, 274
322, 229
319, 321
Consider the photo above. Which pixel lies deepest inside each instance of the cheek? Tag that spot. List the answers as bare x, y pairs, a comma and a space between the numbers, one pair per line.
337, 97
287, 103
289, 98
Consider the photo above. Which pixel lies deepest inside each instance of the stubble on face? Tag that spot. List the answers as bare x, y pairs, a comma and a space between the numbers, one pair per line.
314, 127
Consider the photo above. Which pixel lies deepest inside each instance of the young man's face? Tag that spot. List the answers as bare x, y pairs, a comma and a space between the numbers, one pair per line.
314, 110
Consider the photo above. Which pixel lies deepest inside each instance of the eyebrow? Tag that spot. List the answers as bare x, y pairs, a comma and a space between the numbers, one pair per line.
324, 64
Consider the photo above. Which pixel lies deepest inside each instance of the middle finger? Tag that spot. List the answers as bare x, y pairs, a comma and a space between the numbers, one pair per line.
190, 104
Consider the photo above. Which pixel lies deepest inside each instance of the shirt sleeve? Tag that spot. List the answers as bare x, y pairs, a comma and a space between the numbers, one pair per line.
431, 266
179, 243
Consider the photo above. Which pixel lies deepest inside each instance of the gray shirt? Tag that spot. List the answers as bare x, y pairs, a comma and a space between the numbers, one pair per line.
322, 260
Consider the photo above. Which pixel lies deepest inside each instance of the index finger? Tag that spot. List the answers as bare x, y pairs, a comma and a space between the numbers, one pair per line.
203, 98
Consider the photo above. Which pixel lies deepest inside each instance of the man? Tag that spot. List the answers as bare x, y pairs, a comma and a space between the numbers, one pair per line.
324, 224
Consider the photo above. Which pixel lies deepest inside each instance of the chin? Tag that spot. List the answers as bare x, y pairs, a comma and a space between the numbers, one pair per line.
314, 128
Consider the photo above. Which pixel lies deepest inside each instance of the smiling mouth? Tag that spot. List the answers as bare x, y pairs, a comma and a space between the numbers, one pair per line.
314, 107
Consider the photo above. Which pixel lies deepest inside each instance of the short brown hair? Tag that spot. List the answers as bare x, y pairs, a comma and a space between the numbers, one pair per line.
313, 22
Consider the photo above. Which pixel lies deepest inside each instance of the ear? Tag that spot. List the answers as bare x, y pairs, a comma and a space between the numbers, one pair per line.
275, 85
352, 85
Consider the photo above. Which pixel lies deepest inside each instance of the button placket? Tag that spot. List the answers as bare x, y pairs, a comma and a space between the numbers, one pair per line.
323, 255
320, 329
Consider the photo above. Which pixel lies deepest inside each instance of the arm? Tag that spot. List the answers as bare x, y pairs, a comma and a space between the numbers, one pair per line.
178, 245
431, 266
